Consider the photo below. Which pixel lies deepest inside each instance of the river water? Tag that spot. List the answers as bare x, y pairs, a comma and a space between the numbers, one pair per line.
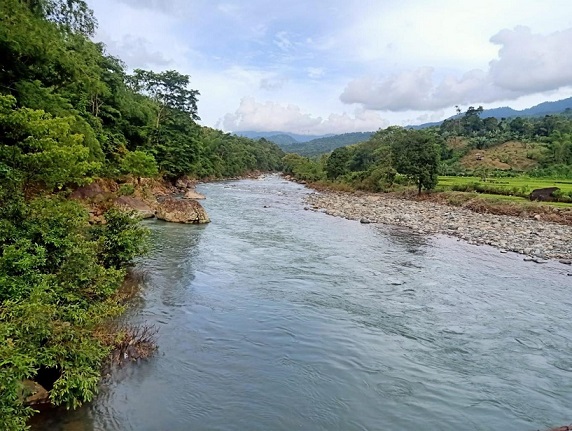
276, 318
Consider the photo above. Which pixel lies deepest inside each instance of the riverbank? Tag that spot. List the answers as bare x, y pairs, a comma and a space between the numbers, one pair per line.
532, 237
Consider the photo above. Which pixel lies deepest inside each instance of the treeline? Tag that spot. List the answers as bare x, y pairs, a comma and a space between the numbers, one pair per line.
398, 156
391, 156
141, 124
69, 113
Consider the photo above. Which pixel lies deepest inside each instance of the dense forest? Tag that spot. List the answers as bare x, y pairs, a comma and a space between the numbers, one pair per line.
71, 113
396, 156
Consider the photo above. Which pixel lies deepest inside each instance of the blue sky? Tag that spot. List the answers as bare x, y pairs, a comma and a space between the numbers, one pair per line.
316, 66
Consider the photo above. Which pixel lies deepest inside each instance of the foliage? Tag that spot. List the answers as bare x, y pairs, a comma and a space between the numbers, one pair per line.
139, 164
417, 156
43, 147
337, 163
55, 288
303, 168
69, 112
120, 239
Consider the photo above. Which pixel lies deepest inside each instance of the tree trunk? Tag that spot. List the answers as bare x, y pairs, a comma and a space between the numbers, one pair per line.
418, 187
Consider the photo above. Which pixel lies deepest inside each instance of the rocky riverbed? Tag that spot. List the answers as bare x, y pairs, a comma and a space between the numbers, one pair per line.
536, 239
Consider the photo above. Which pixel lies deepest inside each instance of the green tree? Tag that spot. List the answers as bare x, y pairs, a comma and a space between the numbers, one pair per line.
416, 154
72, 15
140, 164
43, 148
169, 89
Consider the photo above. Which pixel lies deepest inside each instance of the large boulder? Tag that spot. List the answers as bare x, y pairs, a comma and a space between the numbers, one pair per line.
545, 194
129, 203
193, 194
34, 393
181, 211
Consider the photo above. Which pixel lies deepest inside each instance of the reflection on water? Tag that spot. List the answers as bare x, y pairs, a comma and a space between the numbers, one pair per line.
273, 317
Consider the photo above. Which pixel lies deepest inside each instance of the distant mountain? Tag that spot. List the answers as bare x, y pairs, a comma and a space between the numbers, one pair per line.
282, 140
547, 108
319, 146
540, 110
267, 135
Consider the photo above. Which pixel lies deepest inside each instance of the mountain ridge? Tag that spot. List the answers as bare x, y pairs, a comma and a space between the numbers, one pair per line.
313, 145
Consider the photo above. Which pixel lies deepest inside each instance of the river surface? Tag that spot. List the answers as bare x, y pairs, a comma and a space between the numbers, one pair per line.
277, 318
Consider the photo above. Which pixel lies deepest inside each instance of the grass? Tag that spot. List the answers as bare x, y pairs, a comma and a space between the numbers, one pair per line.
510, 187
509, 183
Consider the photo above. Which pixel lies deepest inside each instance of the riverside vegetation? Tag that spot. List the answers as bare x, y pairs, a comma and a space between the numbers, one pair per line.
483, 164
70, 114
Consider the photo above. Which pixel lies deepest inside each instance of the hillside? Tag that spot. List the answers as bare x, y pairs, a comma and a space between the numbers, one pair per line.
513, 155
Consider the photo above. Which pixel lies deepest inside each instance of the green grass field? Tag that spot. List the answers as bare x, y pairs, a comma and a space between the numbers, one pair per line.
506, 189
508, 183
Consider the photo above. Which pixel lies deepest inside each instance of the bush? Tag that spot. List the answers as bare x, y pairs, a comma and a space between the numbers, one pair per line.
58, 276
126, 189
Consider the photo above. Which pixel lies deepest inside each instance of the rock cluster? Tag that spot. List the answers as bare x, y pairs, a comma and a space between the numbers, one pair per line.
529, 236
149, 198
181, 211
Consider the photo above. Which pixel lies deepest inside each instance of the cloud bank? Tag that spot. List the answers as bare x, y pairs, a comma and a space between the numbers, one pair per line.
527, 63
271, 116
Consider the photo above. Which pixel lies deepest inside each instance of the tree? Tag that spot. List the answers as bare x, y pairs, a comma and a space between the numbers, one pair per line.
71, 15
169, 89
416, 154
43, 148
139, 164
337, 163
472, 122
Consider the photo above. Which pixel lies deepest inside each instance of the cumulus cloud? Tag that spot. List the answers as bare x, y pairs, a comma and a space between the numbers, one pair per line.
271, 116
527, 63
532, 62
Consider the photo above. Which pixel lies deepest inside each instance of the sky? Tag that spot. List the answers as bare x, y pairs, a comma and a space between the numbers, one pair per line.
319, 67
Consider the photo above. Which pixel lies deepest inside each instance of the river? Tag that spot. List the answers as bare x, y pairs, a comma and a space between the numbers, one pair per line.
277, 318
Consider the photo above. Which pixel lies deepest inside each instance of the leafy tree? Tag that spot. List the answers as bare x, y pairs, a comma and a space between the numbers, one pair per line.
471, 122
169, 89
71, 15
42, 147
139, 164
416, 155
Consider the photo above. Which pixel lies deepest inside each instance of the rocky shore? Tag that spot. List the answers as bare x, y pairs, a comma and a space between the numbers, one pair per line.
536, 239
146, 197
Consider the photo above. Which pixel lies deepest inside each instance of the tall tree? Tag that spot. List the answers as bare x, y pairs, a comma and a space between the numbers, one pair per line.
416, 154
169, 89
72, 15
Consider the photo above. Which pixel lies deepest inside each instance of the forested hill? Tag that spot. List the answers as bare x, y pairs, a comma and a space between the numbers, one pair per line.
563, 106
316, 146
70, 113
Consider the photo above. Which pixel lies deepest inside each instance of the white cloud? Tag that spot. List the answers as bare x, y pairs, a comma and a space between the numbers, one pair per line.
408, 58
532, 62
270, 116
527, 63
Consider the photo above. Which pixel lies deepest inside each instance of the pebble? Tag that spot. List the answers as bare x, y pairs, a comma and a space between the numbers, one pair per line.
538, 239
